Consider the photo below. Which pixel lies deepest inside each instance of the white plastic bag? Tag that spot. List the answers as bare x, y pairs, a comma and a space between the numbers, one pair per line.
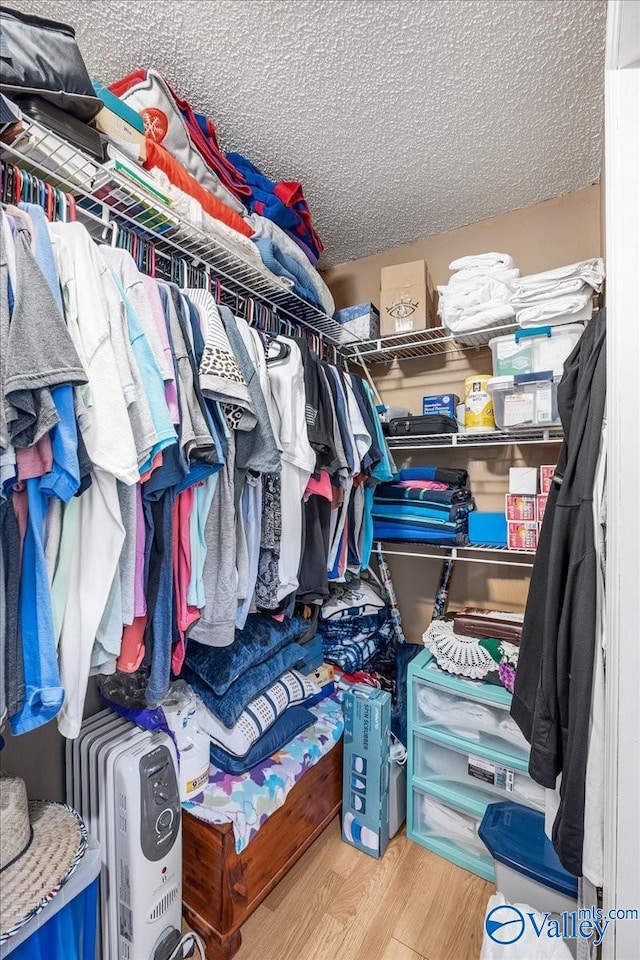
527, 946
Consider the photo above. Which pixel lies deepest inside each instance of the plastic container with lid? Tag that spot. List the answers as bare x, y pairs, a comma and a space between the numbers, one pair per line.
66, 928
534, 350
528, 401
527, 866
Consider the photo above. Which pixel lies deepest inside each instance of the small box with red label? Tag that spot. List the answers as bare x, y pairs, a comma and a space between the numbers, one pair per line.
546, 477
522, 534
521, 507
542, 505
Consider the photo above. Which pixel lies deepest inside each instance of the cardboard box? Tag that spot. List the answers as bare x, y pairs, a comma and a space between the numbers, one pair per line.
407, 298
522, 534
365, 780
542, 505
324, 674
362, 320
546, 477
523, 480
521, 506
443, 404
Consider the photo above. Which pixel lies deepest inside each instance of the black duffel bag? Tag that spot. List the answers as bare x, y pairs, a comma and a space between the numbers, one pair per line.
41, 57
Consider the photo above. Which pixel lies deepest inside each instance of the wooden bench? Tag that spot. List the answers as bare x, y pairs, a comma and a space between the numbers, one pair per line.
221, 888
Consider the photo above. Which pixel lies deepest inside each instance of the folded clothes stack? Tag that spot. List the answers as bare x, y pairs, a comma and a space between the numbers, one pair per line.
246, 688
215, 192
562, 295
425, 505
283, 203
355, 626
478, 296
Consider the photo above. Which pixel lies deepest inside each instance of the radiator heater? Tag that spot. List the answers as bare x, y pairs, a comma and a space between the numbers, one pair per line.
124, 783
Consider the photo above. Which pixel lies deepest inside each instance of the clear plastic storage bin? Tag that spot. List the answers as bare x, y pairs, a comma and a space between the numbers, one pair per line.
474, 778
534, 350
527, 401
460, 720
452, 833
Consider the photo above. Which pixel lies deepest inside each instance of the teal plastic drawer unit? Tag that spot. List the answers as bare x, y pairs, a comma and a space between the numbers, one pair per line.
449, 831
464, 752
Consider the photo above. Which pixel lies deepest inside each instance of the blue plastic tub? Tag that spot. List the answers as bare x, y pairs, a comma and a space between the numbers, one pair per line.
527, 867
66, 928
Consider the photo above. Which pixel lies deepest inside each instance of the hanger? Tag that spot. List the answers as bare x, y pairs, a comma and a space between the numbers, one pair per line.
283, 350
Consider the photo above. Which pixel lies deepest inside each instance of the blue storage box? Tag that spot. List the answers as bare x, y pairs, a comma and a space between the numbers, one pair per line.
489, 528
527, 867
362, 320
440, 404
66, 928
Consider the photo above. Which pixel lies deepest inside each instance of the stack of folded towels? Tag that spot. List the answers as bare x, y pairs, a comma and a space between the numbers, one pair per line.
563, 295
355, 626
478, 296
250, 692
426, 505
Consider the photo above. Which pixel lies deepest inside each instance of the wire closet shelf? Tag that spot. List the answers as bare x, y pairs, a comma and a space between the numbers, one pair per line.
431, 342
492, 438
471, 553
108, 200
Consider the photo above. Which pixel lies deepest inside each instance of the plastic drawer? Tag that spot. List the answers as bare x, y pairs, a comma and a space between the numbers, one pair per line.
424, 667
467, 777
473, 724
450, 832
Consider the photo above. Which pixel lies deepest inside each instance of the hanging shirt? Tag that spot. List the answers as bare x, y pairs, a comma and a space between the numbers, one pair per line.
101, 407
286, 378
40, 353
63, 479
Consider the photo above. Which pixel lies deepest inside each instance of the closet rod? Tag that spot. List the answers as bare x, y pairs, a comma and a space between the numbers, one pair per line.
104, 223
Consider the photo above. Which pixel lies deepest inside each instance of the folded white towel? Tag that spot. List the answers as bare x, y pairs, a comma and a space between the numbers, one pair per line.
528, 296
589, 271
494, 313
483, 260
479, 274
460, 299
570, 309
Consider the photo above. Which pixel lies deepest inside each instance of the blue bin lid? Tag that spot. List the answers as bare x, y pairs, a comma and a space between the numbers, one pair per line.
515, 836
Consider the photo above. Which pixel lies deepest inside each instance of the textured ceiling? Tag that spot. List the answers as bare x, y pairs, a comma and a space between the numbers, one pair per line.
401, 118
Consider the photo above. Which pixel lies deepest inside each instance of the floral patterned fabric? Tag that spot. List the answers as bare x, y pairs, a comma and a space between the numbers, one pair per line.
247, 800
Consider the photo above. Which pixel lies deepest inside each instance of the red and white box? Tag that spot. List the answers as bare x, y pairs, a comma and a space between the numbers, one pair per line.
546, 477
520, 506
522, 534
542, 505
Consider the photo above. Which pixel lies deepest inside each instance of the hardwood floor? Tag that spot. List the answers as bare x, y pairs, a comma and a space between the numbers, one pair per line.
339, 904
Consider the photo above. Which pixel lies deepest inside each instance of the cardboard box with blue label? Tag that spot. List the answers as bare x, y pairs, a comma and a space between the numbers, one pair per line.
440, 404
365, 779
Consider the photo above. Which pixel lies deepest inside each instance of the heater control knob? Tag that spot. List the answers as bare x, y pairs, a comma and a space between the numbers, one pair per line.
164, 821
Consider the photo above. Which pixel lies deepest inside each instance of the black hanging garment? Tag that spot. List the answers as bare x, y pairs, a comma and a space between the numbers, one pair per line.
553, 684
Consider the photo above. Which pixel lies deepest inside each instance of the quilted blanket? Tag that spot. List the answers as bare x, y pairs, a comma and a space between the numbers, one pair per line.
247, 800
